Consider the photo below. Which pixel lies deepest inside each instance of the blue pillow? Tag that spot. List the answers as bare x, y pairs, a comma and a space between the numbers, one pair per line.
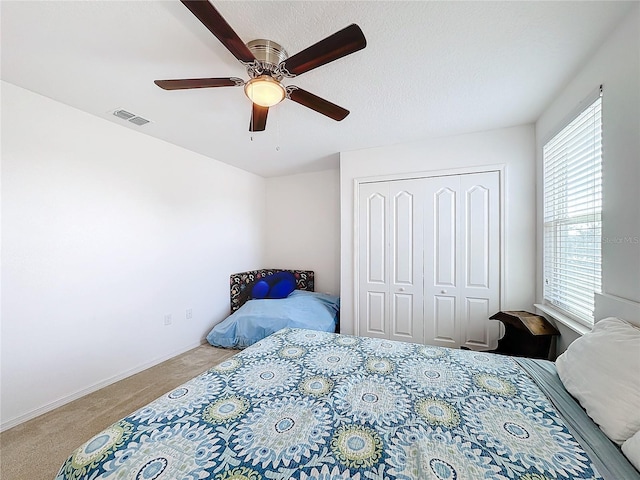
278, 285
284, 283
260, 289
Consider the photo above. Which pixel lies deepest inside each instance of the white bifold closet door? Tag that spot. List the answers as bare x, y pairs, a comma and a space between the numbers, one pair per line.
462, 266
391, 260
429, 260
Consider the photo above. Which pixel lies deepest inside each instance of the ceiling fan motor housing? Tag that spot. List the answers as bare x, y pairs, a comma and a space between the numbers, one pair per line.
269, 55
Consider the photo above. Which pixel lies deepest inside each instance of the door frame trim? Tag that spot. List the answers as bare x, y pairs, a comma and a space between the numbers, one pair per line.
500, 168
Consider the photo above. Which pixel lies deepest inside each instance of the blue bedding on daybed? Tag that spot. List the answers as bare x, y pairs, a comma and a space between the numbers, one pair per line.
258, 319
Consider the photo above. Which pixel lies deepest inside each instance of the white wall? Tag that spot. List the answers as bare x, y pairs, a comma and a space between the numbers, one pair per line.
104, 232
615, 65
512, 147
303, 226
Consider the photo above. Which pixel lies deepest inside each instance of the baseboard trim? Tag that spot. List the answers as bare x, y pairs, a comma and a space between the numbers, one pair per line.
14, 422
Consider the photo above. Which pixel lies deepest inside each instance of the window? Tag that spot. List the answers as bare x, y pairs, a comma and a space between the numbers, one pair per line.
572, 172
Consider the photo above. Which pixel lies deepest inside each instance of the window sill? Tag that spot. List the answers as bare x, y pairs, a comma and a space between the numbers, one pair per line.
563, 319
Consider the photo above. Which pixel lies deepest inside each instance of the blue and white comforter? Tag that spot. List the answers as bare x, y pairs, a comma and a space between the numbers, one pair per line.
304, 404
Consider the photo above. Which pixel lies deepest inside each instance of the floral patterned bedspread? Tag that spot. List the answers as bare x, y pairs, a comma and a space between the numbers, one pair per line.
303, 404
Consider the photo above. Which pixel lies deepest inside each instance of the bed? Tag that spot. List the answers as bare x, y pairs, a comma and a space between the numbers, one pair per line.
303, 404
295, 305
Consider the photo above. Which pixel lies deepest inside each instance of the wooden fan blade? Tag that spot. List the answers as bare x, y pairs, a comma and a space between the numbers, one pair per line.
211, 18
258, 118
342, 43
199, 83
316, 103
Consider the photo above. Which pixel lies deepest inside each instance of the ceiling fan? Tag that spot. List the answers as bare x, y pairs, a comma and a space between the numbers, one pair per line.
267, 64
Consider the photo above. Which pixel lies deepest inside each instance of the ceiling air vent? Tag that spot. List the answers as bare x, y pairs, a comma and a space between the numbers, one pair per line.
138, 120
123, 114
130, 117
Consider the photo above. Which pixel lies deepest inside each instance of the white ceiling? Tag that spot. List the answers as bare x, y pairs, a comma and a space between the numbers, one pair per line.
429, 69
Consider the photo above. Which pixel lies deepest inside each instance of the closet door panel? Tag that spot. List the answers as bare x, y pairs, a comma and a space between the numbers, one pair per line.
441, 261
403, 249
375, 224
477, 229
475, 330
444, 237
445, 331
406, 260
480, 287
376, 313
403, 321
373, 219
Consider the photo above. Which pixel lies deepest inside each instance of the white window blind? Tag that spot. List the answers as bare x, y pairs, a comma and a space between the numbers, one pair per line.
572, 169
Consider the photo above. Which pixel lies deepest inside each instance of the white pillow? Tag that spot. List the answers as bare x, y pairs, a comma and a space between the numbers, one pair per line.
602, 371
631, 448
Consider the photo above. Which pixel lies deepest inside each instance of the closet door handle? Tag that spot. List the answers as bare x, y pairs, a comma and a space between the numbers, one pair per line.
443, 291
401, 289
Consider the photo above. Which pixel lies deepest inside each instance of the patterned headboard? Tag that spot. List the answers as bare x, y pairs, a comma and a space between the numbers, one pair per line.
240, 281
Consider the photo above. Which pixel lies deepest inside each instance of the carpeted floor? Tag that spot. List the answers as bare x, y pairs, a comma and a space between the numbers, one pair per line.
36, 449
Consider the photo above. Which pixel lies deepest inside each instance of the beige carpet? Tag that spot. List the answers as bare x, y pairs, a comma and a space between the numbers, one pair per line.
36, 449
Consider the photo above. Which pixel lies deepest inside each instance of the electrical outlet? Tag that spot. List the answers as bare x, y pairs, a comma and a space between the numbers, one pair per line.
167, 319
188, 314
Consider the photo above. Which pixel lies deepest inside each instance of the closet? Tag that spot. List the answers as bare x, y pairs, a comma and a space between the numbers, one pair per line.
428, 258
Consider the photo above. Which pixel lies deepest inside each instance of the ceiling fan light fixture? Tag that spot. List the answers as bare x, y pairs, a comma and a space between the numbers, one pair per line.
264, 91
